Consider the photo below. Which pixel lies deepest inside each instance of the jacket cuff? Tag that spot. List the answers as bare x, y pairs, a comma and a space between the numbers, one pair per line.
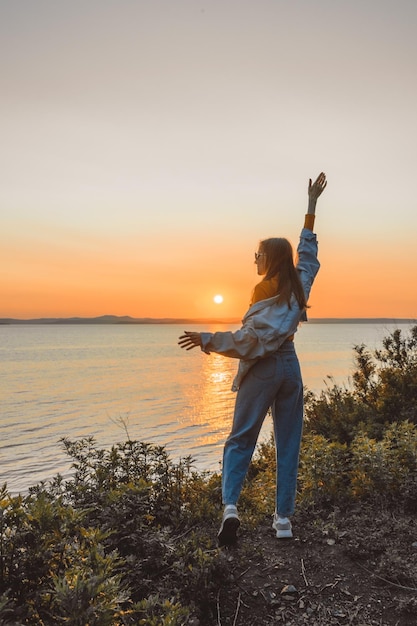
205, 339
309, 221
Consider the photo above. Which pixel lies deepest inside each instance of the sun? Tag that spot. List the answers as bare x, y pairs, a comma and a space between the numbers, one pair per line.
218, 299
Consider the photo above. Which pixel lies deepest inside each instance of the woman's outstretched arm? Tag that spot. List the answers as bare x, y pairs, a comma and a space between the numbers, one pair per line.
314, 191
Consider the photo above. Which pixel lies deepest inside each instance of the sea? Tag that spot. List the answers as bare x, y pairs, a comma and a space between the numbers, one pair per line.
132, 381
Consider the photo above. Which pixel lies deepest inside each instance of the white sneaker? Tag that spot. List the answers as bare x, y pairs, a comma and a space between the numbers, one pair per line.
230, 523
283, 527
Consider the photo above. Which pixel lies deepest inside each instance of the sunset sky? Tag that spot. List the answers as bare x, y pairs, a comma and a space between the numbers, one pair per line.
148, 145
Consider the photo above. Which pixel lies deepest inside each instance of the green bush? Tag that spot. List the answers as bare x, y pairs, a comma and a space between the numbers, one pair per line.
384, 391
122, 536
333, 414
323, 473
385, 468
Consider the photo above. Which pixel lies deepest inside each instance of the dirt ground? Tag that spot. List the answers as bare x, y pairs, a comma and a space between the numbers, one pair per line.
357, 568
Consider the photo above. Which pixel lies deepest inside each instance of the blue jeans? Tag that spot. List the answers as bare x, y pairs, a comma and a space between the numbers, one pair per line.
273, 382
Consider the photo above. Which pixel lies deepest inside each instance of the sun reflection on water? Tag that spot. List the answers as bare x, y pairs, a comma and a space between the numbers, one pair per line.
210, 400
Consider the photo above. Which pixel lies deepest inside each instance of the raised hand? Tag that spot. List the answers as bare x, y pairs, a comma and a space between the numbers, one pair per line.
316, 189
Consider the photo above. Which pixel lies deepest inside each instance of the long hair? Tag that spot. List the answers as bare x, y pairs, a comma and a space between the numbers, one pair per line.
279, 263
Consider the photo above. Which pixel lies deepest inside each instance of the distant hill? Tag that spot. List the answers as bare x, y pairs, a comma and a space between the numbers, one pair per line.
115, 319
126, 319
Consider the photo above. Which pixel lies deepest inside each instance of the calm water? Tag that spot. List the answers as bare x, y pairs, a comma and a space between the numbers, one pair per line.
77, 381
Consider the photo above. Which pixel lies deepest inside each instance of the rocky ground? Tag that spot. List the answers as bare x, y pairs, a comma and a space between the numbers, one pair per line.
357, 567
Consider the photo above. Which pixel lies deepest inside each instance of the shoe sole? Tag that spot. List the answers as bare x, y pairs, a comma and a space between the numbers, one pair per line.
285, 533
228, 532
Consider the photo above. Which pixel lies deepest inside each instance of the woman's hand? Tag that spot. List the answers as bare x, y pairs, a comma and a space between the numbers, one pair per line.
316, 189
190, 340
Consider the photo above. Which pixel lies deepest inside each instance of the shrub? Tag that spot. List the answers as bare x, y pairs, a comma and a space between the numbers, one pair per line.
384, 391
384, 469
116, 540
368, 469
334, 414
323, 473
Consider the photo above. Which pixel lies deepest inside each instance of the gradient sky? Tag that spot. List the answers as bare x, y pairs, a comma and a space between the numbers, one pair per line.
147, 146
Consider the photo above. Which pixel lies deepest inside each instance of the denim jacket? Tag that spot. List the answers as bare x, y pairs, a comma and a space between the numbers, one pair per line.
267, 324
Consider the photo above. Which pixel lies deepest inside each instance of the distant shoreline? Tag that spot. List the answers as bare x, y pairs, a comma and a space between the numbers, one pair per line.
126, 319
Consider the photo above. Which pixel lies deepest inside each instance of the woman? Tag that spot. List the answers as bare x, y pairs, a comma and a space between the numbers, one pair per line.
269, 373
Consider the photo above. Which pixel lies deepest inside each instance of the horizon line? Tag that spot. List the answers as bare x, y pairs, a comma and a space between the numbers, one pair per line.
127, 319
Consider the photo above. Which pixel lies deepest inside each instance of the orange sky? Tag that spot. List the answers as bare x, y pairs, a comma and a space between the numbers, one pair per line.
75, 277
148, 147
